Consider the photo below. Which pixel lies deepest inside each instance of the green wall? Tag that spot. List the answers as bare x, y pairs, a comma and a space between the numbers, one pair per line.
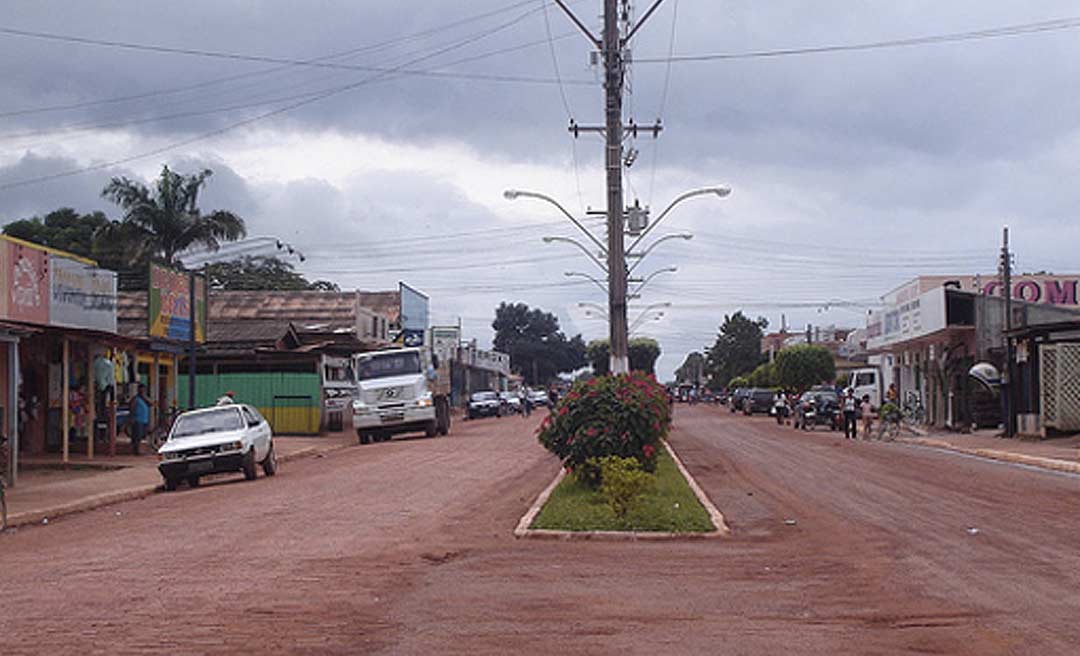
265, 391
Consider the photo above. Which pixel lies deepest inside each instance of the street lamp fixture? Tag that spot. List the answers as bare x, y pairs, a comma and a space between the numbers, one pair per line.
595, 281
686, 236
514, 194
719, 191
637, 292
584, 249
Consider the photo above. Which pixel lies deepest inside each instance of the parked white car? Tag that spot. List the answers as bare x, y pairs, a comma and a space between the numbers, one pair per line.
226, 438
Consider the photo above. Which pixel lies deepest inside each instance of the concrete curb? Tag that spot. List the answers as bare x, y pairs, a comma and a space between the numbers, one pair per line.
523, 531
1052, 464
131, 494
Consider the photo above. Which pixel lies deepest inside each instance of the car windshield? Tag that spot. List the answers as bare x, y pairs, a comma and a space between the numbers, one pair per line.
388, 364
210, 421
484, 396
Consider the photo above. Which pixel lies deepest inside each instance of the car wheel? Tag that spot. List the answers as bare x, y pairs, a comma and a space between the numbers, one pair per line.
269, 465
193, 481
249, 465
431, 429
170, 484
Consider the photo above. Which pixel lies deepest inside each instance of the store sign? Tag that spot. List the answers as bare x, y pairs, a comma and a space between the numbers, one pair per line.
25, 283
907, 318
170, 305
413, 308
445, 341
81, 296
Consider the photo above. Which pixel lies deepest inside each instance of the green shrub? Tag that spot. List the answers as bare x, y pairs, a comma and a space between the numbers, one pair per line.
625, 415
623, 483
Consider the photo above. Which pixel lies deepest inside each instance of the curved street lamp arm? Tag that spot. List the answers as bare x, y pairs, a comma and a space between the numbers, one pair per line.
511, 194
650, 247
585, 250
719, 191
637, 291
577, 274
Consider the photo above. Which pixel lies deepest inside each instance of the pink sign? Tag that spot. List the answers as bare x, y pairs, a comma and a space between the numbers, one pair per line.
27, 289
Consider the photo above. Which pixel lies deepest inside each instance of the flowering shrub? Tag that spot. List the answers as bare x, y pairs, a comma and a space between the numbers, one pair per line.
625, 415
623, 483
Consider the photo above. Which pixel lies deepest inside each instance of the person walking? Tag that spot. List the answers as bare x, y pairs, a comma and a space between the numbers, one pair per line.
526, 404
892, 396
851, 408
867, 413
140, 418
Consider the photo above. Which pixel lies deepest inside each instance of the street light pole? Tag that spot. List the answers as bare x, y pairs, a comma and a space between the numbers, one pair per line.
613, 135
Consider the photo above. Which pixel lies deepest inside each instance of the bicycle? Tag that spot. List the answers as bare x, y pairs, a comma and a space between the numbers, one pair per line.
913, 411
160, 434
889, 426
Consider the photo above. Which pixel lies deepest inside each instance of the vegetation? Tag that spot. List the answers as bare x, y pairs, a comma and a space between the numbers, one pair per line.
642, 351
262, 274
763, 376
805, 365
667, 505
67, 230
538, 350
737, 350
624, 483
161, 222
692, 370
739, 381
625, 415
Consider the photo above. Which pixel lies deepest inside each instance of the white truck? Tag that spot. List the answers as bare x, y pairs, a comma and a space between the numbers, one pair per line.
868, 381
399, 391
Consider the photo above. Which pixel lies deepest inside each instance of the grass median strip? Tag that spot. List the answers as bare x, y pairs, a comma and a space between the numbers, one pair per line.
668, 506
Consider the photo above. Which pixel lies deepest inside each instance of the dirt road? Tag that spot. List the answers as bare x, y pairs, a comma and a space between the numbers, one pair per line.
406, 547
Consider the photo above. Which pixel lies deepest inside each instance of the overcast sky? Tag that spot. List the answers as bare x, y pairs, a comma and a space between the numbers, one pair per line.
851, 171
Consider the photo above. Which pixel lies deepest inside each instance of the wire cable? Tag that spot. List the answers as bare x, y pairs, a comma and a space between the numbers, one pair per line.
1039, 27
663, 98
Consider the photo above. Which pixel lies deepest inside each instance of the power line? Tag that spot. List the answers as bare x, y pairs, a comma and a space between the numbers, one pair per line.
663, 98
1054, 25
281, 110
231, 78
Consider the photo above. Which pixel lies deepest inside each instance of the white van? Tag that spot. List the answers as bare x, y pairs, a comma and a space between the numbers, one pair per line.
868, 382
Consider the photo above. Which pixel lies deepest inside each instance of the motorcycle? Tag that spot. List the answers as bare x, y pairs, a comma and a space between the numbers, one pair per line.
780, 409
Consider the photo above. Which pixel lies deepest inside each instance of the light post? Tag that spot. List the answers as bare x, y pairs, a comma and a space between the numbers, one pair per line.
581, 246
593, 280
718, 190
514, 194
648, 249
637, 292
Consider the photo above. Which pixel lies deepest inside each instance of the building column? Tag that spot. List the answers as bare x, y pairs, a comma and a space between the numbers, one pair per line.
65, 393
11, 467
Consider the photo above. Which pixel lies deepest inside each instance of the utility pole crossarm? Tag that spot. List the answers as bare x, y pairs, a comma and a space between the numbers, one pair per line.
581, 26
637, 26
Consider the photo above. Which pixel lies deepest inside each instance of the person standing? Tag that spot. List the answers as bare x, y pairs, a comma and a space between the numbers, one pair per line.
526, 404
851, 409
140, 418
228, 398
867, 414
892, 396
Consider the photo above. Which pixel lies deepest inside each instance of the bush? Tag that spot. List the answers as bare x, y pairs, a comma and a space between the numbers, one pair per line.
623, 483
625, 415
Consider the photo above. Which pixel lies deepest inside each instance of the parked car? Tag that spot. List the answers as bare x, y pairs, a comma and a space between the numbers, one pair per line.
737, 397
511, 402
538, 397
228, 438
484, 404
758, 400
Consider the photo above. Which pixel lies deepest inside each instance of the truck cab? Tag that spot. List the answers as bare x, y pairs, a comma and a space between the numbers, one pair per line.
394, 395
868, 382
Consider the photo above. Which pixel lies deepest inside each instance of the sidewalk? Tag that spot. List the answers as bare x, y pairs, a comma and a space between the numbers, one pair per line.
47, 489
1058, 454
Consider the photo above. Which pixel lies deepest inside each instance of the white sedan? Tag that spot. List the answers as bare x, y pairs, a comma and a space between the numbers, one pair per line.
227, 438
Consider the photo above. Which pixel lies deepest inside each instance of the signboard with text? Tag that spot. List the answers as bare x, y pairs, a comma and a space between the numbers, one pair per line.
81, 296
170, 308
414, 315
26, 283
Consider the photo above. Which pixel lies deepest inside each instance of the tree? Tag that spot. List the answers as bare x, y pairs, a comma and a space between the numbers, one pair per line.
803, 366
737, 350
162, 222
642, 351
67, 230
262, 273
692, 370
538, 350
763, 376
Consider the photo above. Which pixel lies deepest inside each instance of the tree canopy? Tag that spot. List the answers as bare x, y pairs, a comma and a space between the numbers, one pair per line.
162, 221
737, 350
260, 273
692, 370
805, 365
642, 351
538, 349
66, 230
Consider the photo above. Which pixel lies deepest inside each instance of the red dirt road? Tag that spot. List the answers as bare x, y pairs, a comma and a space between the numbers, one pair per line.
406, 547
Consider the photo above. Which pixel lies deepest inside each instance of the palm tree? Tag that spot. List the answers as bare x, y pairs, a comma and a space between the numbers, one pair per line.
162, 222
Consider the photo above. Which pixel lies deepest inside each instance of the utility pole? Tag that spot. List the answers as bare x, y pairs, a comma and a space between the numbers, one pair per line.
1006, 283
612, 49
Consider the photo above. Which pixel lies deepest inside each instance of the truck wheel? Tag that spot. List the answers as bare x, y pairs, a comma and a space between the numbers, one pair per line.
249, 465
365, 438
193, 481
171, 483
431, 429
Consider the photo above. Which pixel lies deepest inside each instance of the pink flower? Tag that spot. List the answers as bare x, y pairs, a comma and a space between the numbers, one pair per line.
648, 450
